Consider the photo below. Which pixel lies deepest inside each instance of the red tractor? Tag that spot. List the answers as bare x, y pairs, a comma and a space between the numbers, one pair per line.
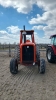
27, 53
51, 50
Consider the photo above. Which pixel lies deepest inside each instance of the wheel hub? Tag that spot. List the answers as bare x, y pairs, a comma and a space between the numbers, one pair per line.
49, 55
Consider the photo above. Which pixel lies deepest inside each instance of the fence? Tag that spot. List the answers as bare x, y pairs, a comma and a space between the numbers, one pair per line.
11, 47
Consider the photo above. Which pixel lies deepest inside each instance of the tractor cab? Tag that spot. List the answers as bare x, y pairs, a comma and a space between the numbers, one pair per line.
26, 36
53, 40
51, 50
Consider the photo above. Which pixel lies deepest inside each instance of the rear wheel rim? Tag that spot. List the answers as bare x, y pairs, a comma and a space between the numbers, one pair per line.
49, 55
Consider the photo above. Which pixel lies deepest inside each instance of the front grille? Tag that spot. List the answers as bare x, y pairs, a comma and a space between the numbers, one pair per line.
27, 54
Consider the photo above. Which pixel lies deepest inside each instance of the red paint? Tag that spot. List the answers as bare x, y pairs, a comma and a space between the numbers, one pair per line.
27, 43
54, 49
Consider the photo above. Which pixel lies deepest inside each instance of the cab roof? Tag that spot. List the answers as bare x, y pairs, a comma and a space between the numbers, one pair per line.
52, 36
27, 31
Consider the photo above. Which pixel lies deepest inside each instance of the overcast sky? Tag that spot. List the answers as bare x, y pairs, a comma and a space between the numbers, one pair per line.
39, 15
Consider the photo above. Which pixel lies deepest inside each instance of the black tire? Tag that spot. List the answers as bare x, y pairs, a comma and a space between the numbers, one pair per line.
17, 53
50, 55
38, 54
42, 66
13, 66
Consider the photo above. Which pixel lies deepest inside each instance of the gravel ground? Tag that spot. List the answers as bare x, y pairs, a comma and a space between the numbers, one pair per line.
28, 84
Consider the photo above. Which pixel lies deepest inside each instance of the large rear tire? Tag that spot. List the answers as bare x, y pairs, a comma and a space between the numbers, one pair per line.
17, 53
50, 55
38, 54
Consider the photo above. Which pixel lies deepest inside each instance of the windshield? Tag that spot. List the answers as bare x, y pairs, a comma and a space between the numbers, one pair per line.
53, 41
28, 37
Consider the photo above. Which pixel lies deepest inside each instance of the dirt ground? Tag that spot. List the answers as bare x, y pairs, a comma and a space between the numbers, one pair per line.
28, 84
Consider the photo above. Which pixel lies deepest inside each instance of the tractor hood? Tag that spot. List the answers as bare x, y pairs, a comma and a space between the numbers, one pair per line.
27, 43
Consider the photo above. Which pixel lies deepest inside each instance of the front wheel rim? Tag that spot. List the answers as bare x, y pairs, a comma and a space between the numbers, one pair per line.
49, 55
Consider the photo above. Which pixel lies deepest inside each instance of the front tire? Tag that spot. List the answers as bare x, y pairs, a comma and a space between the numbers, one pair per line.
13, 66
42, 66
